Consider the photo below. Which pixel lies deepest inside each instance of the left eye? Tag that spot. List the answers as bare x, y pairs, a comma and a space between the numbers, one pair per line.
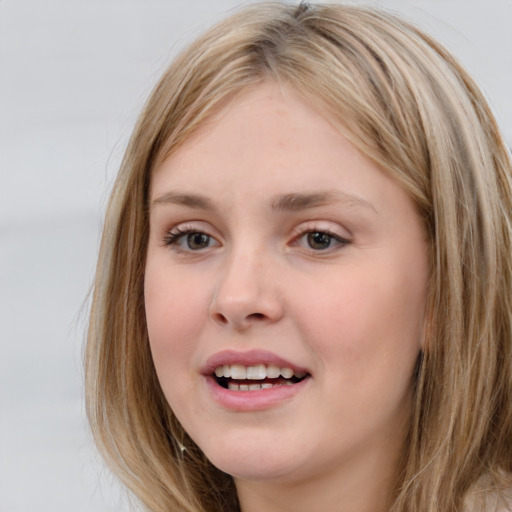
322, 240
190, 240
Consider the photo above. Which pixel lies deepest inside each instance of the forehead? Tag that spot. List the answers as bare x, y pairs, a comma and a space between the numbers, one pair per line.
268, 149
268, 126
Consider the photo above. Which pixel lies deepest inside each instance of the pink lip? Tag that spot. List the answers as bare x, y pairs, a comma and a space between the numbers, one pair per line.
246, 401
249, 358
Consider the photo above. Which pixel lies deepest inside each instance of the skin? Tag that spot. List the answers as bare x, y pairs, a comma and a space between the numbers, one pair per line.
351, 313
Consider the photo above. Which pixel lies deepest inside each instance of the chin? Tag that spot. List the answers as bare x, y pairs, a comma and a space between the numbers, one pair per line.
253, 470
253, 463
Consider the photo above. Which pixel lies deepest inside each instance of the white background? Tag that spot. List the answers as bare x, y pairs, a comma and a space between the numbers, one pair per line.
73, 75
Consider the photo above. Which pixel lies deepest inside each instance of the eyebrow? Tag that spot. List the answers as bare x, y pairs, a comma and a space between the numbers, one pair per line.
195, 201
299, 201
285, 202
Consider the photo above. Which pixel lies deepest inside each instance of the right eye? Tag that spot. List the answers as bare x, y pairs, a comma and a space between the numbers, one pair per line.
189, 239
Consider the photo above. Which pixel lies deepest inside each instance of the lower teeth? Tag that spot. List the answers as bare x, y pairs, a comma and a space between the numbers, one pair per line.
255, 387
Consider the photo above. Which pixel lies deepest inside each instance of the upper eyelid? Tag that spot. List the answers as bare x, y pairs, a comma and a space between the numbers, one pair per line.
342, 240
181, 229
192, 226
186, 228
172, 239
323, 226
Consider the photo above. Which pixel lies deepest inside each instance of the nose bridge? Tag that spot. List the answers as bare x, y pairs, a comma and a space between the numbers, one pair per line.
246, 292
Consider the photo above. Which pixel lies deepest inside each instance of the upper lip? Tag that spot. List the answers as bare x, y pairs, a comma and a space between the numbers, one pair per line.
248, 358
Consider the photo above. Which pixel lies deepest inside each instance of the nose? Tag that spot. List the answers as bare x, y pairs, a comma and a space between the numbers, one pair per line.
246, 293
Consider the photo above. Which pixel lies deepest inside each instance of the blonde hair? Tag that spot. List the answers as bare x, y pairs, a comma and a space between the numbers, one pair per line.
409, 106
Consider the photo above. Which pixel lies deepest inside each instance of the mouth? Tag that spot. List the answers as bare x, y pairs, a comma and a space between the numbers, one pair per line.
237, 377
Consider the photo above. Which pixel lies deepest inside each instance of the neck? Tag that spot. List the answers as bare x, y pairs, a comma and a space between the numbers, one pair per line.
359, 486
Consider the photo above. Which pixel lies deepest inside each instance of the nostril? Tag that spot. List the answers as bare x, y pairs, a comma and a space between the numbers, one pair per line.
221, 318
245, 321
256, 316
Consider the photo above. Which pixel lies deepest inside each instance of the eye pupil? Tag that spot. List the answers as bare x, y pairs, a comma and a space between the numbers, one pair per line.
197, 240
319, 240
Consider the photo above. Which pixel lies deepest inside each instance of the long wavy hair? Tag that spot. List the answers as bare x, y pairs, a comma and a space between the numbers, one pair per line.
406, 104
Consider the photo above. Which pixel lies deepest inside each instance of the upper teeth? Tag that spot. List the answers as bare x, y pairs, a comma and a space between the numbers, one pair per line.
256, 372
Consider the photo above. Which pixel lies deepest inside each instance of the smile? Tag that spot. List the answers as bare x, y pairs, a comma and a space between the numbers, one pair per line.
237, 377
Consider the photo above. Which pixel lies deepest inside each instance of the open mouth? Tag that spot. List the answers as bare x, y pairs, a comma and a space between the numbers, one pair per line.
238, 377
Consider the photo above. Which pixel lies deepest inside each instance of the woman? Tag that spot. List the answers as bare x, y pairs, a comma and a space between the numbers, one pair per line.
302, 298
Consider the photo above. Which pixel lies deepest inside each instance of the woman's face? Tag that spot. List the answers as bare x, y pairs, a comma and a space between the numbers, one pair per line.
287, 263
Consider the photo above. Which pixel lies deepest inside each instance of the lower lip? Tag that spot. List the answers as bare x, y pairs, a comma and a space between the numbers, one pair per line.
253, 400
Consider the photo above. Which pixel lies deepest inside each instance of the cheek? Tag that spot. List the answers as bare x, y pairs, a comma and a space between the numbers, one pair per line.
368, 319
173, 323
174, 318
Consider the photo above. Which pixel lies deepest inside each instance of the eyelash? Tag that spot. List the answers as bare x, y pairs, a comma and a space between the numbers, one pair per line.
332, 237
173, 238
